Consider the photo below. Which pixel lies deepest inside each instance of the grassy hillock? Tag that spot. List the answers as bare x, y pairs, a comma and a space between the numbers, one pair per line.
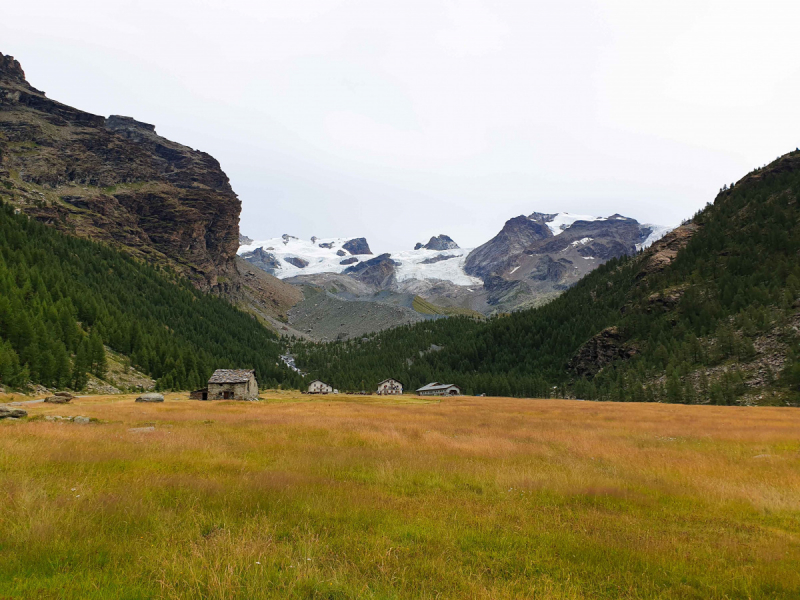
709, 314
62, 299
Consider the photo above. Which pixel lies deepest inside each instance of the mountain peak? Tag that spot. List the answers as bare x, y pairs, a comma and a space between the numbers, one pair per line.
439, 242
11, 69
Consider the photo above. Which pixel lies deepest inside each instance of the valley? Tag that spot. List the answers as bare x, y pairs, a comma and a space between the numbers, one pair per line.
111, 228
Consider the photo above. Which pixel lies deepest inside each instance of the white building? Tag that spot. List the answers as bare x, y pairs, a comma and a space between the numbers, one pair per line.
390, 387
439, 389
319, 387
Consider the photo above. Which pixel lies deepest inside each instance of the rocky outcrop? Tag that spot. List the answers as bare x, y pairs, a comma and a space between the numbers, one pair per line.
357, 246
263, 260
494, 256
659, 256
116, 180
439, 242
349, 261
665, 300
600, 351
438, 258
244, 240
378, 271
300, 263
150, 398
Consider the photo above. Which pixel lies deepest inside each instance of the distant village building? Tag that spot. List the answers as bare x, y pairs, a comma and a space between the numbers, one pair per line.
231, 384
390, 387
199, 394
439, 389
319, 387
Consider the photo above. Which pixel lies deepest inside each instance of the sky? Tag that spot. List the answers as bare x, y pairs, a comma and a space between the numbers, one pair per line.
399, 120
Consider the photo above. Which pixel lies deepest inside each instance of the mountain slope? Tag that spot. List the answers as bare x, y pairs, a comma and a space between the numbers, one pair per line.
63, 298
708, 313
117, 181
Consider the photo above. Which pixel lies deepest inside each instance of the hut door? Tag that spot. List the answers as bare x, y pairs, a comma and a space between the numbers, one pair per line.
227, 395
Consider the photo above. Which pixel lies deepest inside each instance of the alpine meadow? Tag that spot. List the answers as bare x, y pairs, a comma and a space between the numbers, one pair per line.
466, 315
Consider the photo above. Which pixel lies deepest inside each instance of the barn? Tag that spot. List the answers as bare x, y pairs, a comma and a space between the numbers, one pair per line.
233, 384
439, 389
390, 387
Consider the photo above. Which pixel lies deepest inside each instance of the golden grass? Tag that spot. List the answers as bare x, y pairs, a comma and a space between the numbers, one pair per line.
380, 497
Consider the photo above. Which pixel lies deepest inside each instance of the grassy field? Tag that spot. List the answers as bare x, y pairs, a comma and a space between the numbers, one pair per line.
362, 497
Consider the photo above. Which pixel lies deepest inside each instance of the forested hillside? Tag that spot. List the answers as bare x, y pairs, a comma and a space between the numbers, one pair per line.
62, 299
708, 314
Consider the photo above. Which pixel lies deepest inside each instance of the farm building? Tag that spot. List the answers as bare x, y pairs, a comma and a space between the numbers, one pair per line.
389, 387
199, 394
439, 389
232, 384
319, 387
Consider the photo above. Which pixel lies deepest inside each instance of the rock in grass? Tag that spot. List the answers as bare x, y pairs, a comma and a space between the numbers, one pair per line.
58, 399
150, 398
81, 420
6, 412
141, 429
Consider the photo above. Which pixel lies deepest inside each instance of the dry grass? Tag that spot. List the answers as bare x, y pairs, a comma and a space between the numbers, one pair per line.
368, 497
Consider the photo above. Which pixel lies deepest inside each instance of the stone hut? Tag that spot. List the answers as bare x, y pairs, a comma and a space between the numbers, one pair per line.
232, 384
199, 394
319, 387
390, 387
439, 389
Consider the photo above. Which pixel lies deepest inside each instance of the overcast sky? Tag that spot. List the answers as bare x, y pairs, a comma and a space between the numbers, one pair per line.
398, 120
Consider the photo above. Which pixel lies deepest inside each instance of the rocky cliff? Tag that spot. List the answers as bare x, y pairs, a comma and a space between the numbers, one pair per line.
118, 181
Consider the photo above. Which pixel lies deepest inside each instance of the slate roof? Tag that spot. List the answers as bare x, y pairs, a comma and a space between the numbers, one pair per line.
231, 376
390, 379
436, 386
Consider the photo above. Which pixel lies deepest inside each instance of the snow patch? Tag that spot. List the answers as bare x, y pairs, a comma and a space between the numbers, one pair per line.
563, 221
658, 231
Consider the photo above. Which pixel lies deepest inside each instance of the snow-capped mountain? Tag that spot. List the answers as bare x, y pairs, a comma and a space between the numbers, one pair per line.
289, 256
532, 257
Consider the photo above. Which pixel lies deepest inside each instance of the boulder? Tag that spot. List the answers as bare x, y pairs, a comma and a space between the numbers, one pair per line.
341, 253
81, 420
349, 261
6, 412
150, 398
59, 398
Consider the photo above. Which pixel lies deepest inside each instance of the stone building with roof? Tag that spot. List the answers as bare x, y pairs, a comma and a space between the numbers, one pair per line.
232, 384
439, 389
